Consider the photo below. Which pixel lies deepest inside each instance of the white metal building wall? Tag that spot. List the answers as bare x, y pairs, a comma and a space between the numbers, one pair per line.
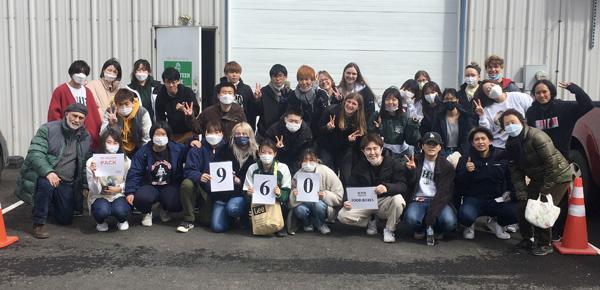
529, 32
40, 39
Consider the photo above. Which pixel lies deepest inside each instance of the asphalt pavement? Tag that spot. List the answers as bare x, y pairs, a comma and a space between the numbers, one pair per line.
78, 257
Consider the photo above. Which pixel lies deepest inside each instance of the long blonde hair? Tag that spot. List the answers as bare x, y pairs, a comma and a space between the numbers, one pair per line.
241, 154
359, 116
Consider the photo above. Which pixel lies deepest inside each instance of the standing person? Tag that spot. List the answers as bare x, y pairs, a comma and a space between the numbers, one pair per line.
382, 170
308, 98
431, 184
267, 151
291, 136
244, 94
197, 170
472, 77
342, 125
54, 170
556, 117
147, 88
327, 84
422, 77
491, 102
494, 66
331, 191
155, 175
171, 103
105, 88
531, 153
453, 123
482, 181
226, 111
354, 82
107, 196
399, 134
431, 99
270, 101
130, 119
74, 91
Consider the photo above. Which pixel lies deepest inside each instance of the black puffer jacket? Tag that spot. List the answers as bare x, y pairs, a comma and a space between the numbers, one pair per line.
489, 180
391, 174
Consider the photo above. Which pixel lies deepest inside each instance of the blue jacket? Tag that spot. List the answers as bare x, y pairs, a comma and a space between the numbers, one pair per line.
198, 160
140, 174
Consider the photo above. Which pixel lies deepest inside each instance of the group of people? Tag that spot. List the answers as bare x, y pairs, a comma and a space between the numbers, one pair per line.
436, 159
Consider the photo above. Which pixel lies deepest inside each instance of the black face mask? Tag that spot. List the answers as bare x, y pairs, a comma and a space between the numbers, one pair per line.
450, 106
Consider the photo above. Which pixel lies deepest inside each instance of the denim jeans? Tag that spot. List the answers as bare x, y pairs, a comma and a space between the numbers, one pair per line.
415, 214
60, 197
473, 207
224, 212
102, 208
311, 213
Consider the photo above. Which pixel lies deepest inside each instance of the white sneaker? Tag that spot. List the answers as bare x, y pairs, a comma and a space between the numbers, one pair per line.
512, 228
498, 230
372, 227
147, 220
324, 229
103, 227
164, 215
469, 232
309, 228
388, 236
123, 226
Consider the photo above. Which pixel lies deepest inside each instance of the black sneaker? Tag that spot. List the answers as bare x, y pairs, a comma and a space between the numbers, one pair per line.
542, 250
78, 213
184, 227
525, 244
556, 236
282, 233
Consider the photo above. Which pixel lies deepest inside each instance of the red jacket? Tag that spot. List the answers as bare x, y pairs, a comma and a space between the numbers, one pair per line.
62, 98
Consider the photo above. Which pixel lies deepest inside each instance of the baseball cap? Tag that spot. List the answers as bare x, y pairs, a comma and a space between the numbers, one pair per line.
432, 137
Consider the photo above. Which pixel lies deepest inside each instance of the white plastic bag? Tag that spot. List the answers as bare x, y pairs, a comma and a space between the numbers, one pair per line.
541, 214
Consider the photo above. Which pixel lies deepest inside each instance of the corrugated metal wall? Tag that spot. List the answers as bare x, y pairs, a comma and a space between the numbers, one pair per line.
40, 39
529, 32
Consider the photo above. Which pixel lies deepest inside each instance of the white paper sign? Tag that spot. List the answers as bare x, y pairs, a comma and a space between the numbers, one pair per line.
221, 174
362, 197
308, 186
109, 164
264, 189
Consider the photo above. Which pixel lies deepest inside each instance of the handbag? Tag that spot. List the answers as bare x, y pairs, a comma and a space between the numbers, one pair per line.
266, 218
541, 214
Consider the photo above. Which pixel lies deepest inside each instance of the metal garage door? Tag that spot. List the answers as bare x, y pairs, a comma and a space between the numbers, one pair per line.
389, 40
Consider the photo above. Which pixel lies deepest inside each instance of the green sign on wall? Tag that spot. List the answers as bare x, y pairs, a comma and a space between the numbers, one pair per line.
185, 70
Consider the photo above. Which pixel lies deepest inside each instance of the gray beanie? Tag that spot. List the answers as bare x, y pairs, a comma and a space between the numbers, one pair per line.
77, 107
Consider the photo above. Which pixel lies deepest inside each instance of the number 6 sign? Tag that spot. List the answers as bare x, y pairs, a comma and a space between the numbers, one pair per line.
221, 176
264, 189
308, 186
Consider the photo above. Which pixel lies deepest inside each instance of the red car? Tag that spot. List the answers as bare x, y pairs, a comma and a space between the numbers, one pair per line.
585, 153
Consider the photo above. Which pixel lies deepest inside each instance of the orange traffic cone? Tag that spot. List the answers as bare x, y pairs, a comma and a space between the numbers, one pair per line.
4, 239
574, 240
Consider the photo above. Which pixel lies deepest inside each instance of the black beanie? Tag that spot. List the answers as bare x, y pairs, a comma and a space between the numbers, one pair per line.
77, 107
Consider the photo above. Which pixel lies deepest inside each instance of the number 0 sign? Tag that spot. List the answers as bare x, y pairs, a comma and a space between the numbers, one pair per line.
308, 186
221, 176
264, 189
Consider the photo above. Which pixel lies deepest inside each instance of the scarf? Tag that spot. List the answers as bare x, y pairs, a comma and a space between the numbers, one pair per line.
470, 91
128, 144
307, 98
276, 90
514, 148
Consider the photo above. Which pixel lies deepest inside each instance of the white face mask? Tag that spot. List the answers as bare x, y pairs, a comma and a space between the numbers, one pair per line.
141, 76
266, 159
109, 77
406, 94
111, 148
430, 98
213, 139
471, 81
226, 99
513, 130
79, 78
422, 84
495, 92
160, 140
125, 111
309, 166
391, 109
293, 127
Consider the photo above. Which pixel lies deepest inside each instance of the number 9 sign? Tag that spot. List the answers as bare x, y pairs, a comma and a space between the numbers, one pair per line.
264, 189
222, 174
308, 186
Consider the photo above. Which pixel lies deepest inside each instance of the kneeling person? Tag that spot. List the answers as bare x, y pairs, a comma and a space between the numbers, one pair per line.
387, 174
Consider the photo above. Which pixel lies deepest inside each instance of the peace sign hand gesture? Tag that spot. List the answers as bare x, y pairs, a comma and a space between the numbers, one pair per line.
257, 92
410, 162
188, 109
279, 142
112, 117
331, 123
377, 122
352, 137
478, 108
337, 94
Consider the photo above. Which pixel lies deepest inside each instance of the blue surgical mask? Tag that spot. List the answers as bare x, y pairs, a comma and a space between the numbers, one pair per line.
513, 130
496, 77
241, 140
